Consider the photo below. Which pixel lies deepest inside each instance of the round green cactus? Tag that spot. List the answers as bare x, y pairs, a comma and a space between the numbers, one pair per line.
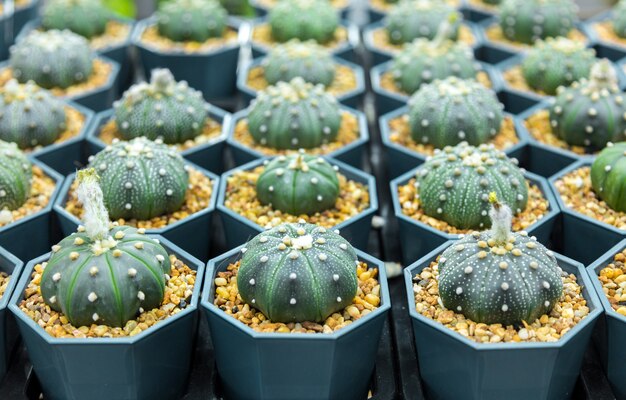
31, 116
87, 18
608, 176
241, 8
297, 273
294, 115
52, 59
618, 19
556, 62
101, 275
15, 177
304, 20
455, 183
162, 109
591, 112
492, 2
499, 277
191, 20
414, 19
141, 179
293, 59
526, 21
298, 184
453, 110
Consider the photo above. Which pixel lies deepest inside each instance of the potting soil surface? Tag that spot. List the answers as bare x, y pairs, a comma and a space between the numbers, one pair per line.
494, 33
381, 39
262, 35
151, 38
4, 282
514, 77
387, 82
41, 190
613, 279
605, 32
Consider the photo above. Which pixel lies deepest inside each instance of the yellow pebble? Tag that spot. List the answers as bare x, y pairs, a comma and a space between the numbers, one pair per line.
220, 282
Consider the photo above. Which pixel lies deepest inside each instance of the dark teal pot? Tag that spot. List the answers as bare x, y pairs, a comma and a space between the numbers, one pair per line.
478, 12
605, 49
8, 329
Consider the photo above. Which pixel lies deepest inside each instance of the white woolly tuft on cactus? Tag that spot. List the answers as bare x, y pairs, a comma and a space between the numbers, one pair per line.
96, 218
603, 75
501, 217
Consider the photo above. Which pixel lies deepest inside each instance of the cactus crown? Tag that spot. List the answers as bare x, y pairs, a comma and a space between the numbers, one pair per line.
293, 59
608, 176
618, 19
304, 20
87, 18
191, 20
412, 19
527, 21
298, 272
162, 109
15, 177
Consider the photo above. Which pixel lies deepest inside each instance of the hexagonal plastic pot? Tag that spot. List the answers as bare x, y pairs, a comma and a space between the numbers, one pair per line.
356, 229
352, 98
418, 239
583, 238
192, 234
605, 49
337, 365
401, 159
24, 14
12, 266
154, 364
5, 41
213, 72
477, 13
263, 10
515, 371
208, 155
352, 153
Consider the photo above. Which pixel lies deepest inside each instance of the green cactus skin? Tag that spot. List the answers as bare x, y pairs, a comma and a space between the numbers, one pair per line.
298, 184
52, 59
191, 20
499, 277
556, 62
525, 21
162, 109
454, 184
304, 20
414, 19
591, 112
238, 7
297, 273
618, 19
293, 59
492, 2
141, 179
87, 18
294, 115
15, 177
477, 113
608, 176
30, 116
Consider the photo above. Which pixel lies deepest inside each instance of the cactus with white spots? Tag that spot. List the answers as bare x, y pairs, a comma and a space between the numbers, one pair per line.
294, 115
298, 184
526, 21
307, 60
298, 272
162, 109
498, 276
618, 19
413, 19
141, 179
15, 177
52, 59
591, 112
191, 20
450, 111
608, 176
556, 62
455, 183
87, 18
103, 274
304, 20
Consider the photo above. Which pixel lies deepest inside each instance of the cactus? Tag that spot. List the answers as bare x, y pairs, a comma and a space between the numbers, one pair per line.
163, 108
141, 179
455, 183
556, 62
191, 20
15, 177
304, 20
618, 19
492, 2
450, 111
298, 272
52, 59
608, 176
498, 276
31, 116
294, 115
591, 112
298, 184
103, 275
293, 59
87, 18
412, 19
240, 8
526, 21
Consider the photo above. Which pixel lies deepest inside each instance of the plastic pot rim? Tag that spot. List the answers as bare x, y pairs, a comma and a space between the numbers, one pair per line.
18, 265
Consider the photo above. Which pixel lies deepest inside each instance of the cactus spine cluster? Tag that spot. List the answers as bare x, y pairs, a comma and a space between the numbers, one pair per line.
87, 18
455, 183
162, 109
294, 115
298, 184
103, 275
15, 177
30, 116
52, 59
298, 272
191, 20
450, 111
526, 21
412, 19
141, 179
498, 276
618, 19
608, 176
304, 20
293, 59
